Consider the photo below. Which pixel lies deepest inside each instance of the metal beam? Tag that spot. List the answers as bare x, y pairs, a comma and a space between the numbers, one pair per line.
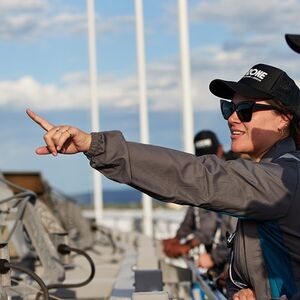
187, 106
144, 124
97, 181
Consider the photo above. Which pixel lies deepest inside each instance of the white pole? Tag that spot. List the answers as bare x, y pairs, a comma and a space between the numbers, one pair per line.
187, 109
97, 182
144, 128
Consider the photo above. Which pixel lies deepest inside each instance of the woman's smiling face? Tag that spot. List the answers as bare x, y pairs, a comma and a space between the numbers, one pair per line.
258, 135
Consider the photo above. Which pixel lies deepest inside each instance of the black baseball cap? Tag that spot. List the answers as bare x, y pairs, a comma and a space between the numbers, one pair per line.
261, 82
206, 142
293, 40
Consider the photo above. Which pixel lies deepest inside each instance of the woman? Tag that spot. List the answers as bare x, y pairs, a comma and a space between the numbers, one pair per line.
263, 192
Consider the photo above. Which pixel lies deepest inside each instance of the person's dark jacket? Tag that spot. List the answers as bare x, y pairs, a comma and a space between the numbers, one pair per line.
200, 223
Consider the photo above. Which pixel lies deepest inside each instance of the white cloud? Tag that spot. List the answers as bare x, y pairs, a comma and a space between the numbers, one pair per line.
253, 33
256, 26
28, 92
229, 60
249, 16
31, 19
14, 6
163, 82
74, 93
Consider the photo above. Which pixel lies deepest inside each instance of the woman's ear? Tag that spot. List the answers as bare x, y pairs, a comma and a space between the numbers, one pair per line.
286, 120
284, 124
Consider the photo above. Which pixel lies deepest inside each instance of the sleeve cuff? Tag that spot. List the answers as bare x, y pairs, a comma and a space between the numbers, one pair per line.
97, 145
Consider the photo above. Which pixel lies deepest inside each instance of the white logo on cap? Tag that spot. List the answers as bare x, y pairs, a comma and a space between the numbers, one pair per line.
256, 74
203, 143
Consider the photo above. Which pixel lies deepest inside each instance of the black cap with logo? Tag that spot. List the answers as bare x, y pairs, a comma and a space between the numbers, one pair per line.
206, 142
261, 82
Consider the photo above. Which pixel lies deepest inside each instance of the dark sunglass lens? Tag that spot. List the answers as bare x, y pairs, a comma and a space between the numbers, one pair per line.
244, 111
227, 109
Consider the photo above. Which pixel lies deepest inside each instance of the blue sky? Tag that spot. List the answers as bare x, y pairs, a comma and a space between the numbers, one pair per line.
44, 66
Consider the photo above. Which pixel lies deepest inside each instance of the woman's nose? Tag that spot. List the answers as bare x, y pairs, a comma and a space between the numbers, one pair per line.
234, 118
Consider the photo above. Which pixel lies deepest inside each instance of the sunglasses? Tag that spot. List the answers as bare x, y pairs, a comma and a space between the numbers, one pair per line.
243, 110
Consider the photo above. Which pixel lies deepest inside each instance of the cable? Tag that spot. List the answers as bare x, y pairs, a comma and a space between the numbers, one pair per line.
5, 266
19, 216
64, 250
24, 194
19, 195
20, 283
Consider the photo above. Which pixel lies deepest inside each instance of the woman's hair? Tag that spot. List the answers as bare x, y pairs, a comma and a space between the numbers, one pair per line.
294, 121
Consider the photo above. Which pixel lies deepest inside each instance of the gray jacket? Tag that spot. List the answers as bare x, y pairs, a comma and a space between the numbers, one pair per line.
201, 223
264, 196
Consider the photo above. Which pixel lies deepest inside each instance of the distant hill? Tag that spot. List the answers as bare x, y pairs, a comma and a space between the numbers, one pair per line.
122, 197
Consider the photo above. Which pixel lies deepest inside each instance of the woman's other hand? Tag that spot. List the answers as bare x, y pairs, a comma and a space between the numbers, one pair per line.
244, 294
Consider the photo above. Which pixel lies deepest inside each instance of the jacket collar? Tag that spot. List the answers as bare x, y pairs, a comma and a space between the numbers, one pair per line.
284, 146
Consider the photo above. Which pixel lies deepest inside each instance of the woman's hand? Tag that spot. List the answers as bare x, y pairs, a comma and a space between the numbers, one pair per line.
61, 139
244, 294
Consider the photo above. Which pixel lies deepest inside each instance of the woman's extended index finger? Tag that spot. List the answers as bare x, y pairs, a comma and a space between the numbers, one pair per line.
39, 120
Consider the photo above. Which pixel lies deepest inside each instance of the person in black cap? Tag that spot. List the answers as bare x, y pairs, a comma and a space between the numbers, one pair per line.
262, 110
206, 142
199, 225
293, 40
